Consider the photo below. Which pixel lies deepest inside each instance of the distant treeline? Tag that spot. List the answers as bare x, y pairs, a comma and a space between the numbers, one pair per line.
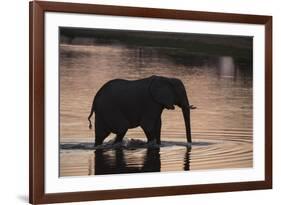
239, 47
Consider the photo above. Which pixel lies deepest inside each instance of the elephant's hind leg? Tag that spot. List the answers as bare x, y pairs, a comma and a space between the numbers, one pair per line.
101, 131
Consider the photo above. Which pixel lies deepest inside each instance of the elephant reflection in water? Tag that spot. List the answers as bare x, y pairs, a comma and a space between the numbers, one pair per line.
105, 163
186, 165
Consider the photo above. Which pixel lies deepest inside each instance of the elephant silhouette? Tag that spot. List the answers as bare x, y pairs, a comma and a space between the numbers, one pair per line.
120, 105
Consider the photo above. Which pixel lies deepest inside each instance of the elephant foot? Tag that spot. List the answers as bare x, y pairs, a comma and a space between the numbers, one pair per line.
153, 143
97, 145
118, 141
119, 138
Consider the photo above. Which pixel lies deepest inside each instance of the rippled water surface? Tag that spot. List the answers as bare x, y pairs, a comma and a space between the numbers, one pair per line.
219, 86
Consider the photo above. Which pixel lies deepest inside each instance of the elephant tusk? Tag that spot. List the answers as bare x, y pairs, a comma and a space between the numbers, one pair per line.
192, 107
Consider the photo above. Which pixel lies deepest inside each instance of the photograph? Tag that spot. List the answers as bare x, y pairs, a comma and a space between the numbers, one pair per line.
129, 102
136, 101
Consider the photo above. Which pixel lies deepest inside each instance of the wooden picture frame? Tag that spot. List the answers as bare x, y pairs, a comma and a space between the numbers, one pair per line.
37, 10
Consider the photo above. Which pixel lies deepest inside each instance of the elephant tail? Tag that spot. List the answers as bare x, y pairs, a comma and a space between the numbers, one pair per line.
89, 118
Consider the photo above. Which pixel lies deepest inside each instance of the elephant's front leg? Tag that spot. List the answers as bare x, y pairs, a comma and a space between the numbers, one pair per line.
152, 131
158, 131
119, 137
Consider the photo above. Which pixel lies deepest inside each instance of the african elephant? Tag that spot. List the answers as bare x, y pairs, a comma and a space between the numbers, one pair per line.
123, 104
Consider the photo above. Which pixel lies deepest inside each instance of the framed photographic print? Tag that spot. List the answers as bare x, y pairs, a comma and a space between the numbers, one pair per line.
139, 102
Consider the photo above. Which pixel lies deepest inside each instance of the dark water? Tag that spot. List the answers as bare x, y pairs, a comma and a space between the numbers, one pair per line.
219, 86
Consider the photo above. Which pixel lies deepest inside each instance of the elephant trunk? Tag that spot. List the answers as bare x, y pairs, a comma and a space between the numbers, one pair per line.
186, 115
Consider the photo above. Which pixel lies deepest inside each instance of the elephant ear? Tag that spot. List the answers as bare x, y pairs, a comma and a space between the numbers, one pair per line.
162, 92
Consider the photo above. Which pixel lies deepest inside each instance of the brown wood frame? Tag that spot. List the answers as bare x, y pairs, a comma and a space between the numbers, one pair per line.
37, 194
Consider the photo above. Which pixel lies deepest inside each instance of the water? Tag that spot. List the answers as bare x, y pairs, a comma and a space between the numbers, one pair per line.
219, 86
